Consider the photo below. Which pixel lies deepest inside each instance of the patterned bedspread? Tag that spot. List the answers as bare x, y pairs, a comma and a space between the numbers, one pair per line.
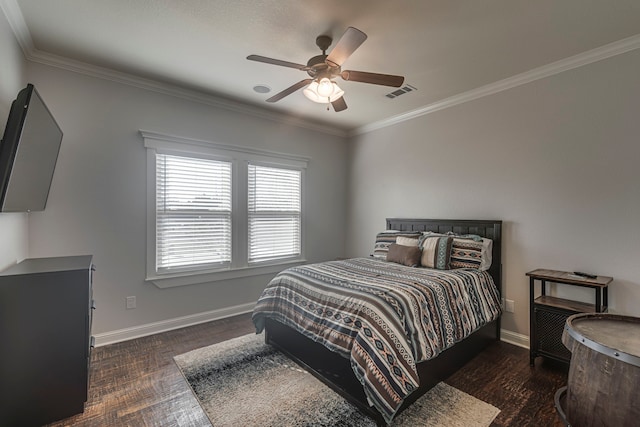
384, 316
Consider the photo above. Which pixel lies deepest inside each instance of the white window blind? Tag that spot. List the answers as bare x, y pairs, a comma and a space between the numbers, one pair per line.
193, 213
274, 213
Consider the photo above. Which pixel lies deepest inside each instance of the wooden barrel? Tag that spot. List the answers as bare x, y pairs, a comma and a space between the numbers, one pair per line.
604, 375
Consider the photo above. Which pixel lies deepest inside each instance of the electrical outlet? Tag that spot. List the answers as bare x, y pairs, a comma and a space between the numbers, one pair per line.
131, 302
509, 306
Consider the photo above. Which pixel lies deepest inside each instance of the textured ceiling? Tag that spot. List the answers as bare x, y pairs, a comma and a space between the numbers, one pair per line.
444, 48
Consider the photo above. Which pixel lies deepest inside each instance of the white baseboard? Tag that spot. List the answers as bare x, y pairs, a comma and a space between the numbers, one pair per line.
209, 316
514, 338
170, 324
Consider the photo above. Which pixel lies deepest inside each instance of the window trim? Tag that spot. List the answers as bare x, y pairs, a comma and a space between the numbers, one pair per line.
240, 157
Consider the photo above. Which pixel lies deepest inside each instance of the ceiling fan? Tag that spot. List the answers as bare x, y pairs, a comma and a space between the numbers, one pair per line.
324, 68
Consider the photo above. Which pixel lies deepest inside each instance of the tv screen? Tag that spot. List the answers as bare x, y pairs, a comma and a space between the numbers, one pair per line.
28, 154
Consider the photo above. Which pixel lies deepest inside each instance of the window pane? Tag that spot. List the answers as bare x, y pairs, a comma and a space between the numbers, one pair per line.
274, 213
193, 212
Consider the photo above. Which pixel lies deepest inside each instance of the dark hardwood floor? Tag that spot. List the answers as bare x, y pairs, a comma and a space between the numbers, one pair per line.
136, 383
501, 375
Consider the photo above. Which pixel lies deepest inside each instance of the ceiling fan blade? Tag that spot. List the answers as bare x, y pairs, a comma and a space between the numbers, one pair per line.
275, 62
373, 78
289, 90
339, 104
348, 43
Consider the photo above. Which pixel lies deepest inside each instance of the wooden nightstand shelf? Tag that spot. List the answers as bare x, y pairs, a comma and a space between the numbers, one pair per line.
549, 314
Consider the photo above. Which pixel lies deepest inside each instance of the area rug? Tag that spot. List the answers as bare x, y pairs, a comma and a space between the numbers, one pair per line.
244, 382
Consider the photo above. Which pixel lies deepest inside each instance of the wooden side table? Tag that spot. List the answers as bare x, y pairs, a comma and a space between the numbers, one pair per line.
548, 314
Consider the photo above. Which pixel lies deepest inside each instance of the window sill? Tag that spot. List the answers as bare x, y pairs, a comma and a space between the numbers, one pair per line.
194, 278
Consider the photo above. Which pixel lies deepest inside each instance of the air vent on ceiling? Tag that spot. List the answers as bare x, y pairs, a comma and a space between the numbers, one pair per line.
404, 89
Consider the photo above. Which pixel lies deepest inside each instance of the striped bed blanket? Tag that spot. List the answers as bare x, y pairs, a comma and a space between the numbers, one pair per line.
384, 317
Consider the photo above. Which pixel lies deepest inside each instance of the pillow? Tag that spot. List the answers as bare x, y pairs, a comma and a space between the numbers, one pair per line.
405, 255
472, 252
436, 251
386, 238
408, 241
467, 250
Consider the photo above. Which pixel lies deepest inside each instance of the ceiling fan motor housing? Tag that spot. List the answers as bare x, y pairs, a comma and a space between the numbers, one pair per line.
317, 67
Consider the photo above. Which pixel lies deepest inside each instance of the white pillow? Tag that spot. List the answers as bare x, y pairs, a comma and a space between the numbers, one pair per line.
407, 241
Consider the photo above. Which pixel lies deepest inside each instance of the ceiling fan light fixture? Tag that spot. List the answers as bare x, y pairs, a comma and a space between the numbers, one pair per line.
325, 87
323, 91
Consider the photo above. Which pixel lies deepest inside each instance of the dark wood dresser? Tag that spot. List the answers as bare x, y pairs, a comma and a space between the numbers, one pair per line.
46, 309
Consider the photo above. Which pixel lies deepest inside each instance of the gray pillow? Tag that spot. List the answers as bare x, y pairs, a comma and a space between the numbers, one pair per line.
405, 255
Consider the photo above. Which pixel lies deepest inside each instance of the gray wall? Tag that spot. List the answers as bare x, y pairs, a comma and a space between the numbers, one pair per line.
13, 226
557, 160
97, 203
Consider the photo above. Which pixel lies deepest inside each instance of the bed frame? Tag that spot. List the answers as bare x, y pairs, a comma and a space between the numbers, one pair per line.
335, 370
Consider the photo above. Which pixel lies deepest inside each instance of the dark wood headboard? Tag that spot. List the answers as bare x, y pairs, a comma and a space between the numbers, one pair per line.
484, 228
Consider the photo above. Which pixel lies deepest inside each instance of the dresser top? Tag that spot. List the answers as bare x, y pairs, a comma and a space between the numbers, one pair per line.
48, 265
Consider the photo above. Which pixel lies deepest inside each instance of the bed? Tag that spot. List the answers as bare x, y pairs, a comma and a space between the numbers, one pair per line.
381, 333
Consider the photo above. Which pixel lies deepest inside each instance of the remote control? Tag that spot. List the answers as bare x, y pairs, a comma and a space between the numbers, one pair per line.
587, 275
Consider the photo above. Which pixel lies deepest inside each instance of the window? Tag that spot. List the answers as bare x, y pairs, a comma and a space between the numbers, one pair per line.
274, 213
218, 211
193, 213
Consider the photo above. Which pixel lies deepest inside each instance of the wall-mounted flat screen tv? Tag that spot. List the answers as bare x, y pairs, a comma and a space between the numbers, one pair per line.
28, 154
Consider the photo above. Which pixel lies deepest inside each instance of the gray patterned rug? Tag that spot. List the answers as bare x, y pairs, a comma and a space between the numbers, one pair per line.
244, 382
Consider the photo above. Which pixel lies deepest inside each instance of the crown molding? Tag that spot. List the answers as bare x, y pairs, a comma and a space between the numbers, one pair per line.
16, 21
598, 54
